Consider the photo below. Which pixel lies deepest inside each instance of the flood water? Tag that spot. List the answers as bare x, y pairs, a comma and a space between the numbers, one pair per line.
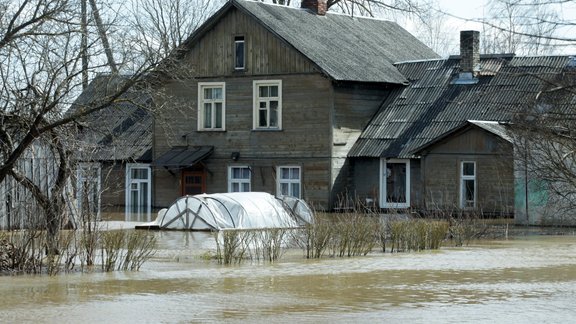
528, 279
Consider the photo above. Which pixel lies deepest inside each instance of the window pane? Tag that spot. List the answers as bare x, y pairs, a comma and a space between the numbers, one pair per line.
218, 113
284, 173
273, 91
245, 173
295, 173
235, 187
296, 190
469, 193
273, 113
239, 52
263, 91
208, 115
139, 173
207, 93
262, 118
245, 187
216, 93
284, 189
468, 169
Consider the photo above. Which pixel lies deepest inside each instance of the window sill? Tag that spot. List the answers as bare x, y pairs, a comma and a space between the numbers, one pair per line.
267, 130
212, 130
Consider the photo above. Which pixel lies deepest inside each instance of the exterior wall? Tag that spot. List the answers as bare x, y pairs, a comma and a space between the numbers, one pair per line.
213, 54
303, 141
367, 182
354, 106
307, 97
320, 120
494, 172
366, 179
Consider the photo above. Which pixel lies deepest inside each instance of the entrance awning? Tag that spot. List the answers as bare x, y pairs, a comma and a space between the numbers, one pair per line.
179, 157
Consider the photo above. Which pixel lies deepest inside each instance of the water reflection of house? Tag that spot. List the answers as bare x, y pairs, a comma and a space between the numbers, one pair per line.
114, 174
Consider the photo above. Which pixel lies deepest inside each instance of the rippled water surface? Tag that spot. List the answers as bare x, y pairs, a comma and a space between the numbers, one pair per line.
529, 279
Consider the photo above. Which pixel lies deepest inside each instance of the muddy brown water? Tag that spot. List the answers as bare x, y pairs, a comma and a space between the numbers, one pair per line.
527, 279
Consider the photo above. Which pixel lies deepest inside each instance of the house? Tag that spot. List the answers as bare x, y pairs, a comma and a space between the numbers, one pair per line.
272, 98
444, 141
113, 179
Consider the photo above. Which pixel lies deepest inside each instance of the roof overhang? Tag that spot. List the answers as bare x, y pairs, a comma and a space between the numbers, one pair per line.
182, 156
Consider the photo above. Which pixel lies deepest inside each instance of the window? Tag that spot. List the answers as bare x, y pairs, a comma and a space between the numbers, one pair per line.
468, 184
211, 106
239, 51
138, 192
239, 179
88, 190
395, 183
268, 104
289, 183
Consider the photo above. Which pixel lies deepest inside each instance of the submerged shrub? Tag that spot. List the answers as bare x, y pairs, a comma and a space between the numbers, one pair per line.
416, 234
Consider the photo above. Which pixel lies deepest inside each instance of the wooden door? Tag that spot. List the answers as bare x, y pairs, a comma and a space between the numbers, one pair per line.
193, 182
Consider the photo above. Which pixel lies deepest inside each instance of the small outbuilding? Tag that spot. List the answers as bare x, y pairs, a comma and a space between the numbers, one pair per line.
237, 210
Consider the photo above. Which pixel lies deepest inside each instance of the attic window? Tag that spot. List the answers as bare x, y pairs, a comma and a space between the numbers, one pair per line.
239, 51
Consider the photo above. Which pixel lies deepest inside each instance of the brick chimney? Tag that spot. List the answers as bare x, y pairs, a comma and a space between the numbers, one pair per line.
318, 7
470, 52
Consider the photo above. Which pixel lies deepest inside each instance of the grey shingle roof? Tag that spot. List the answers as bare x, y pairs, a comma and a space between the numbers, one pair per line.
432, 105
121, 131
345, 48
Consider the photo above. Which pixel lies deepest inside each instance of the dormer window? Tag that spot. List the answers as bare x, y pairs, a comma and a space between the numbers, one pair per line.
239, 53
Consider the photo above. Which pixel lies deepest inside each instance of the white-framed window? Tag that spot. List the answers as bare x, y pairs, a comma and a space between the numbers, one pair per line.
239, 179
467, 184
138, 192
239, 53
211, 106
88, 188
289, 181
394, 183
268, 104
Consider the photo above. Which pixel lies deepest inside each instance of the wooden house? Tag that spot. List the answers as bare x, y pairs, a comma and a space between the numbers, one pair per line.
272, 98
443, 142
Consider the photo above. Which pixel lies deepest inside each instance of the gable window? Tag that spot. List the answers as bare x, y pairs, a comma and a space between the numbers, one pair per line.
289, 183
268, 104
138, 192
239, 53
239, 178
395, 183
211, 105
467, 184
88, 190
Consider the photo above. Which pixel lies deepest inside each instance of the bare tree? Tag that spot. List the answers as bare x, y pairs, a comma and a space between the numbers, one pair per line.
41, 68
157, 27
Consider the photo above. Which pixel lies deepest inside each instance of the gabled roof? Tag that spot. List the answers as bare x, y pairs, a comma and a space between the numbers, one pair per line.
345, 48
121, 131
495, 128
434, 105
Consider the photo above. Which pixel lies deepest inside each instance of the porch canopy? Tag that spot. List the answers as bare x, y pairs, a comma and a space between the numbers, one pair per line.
182, 156
238, 210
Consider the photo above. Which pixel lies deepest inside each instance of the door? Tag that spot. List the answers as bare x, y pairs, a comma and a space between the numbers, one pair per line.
395, 183
138, 192
193, 182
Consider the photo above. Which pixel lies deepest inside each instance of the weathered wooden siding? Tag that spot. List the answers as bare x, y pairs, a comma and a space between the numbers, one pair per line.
305, 138
354, 106
494, 172
213, 54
